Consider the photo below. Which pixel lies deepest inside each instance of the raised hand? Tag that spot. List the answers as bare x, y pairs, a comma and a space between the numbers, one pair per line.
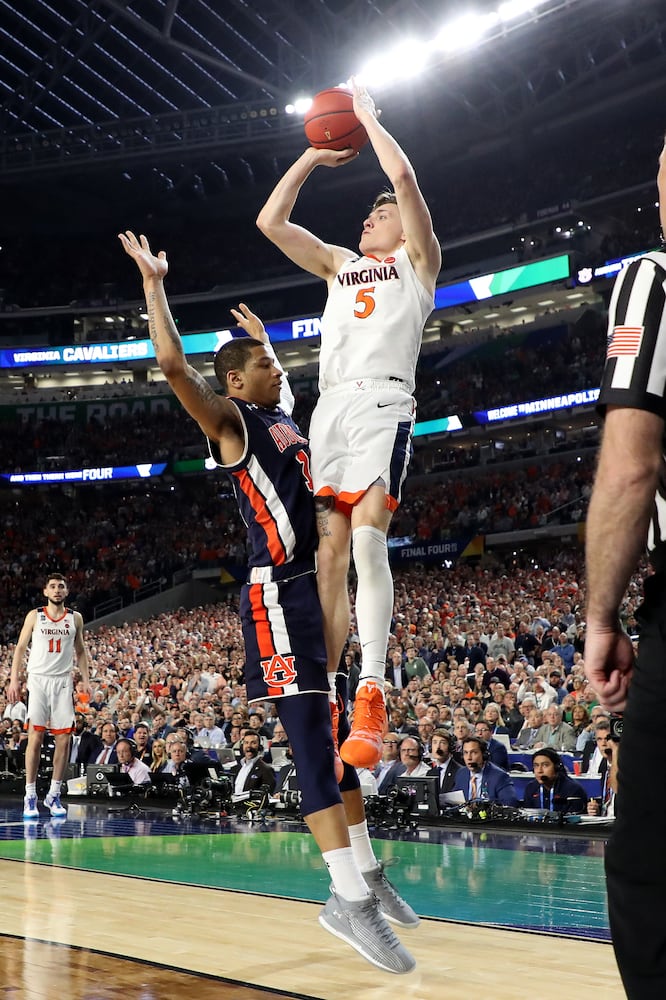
250, 322
151, 266
363, 102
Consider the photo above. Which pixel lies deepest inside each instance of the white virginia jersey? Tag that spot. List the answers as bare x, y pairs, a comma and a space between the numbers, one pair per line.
373, 321
52, 647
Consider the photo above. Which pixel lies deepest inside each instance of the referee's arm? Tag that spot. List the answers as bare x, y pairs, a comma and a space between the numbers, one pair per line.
617, 524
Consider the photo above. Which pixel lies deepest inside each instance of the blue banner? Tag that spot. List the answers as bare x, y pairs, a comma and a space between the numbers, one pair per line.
102, 475
427, 551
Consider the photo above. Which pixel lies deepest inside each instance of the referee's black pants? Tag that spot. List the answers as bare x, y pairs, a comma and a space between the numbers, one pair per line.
636, 853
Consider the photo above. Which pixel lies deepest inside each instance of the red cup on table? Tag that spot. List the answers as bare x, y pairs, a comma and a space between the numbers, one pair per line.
577, 766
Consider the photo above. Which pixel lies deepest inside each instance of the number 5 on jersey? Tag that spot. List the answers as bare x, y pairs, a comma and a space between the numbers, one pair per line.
365, 303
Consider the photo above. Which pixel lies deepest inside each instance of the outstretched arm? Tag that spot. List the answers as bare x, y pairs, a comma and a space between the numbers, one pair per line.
216, 416
421, 243
617, 524
300, 245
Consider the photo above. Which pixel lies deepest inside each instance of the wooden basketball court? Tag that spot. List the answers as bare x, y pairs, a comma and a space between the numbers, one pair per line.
94, 910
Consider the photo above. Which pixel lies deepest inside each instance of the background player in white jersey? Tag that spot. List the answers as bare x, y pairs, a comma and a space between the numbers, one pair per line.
55, 636
360, 434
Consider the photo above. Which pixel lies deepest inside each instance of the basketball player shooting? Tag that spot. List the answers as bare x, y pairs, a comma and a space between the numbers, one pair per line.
360, 435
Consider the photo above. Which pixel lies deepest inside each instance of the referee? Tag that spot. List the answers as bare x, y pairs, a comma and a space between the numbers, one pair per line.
628, 511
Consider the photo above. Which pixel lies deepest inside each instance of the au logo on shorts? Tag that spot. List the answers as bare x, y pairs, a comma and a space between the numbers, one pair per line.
279, 670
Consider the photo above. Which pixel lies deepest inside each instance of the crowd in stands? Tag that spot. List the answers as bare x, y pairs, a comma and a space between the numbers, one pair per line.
111, 540
169, 669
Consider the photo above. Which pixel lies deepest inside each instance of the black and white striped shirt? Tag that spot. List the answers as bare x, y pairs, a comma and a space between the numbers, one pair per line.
635, 371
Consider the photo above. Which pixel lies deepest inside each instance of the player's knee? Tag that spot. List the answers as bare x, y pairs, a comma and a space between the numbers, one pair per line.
307, 722
332, 560
350, 780
319, 789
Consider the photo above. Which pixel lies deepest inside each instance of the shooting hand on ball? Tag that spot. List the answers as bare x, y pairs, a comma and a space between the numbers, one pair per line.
334, 157
364, 106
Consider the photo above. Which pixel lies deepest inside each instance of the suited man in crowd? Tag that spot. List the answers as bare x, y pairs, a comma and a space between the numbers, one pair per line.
85, 745
479, 779
395, 671
529, 734
555, 732
390, 766
597, 752
177, 754
108, 755
444, 765
401, 725
251, 773
497, 752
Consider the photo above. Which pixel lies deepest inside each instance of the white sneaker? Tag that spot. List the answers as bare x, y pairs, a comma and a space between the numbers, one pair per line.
55, 806
30, 810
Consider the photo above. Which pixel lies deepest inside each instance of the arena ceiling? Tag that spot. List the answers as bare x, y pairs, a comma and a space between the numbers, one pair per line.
101, 100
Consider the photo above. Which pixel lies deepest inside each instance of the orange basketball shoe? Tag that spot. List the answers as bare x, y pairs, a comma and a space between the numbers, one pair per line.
338, 766
363, 747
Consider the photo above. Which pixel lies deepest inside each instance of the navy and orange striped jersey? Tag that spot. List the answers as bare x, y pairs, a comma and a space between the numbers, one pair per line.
273, 488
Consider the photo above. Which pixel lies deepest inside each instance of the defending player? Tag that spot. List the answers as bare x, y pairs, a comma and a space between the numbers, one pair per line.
268, 460
55, 636
362, 425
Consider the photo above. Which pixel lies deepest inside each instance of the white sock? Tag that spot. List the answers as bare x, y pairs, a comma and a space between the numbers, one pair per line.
345, 875
31, 789
332, 692
374, 598
362, 847
55, 787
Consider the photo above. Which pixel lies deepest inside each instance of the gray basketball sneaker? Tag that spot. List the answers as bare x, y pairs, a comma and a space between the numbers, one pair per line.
392, 905
362, 925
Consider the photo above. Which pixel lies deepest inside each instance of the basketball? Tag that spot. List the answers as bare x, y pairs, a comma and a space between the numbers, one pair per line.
330, 122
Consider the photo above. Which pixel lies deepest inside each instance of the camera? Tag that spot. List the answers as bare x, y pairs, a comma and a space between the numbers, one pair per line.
291, 799
208, 795
393, 811
616, 726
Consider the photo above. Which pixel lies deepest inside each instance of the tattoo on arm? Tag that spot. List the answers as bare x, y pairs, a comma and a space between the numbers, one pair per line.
171, 332
323, 528
199, 384
150, 303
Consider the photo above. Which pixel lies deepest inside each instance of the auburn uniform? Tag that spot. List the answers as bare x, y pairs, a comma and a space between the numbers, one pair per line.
371, 333
280, 611
50, 661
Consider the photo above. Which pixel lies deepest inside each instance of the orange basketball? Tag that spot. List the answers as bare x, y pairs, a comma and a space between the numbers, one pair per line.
330, 122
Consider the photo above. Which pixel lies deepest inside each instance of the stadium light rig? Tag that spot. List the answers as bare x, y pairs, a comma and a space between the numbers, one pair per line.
413, 56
